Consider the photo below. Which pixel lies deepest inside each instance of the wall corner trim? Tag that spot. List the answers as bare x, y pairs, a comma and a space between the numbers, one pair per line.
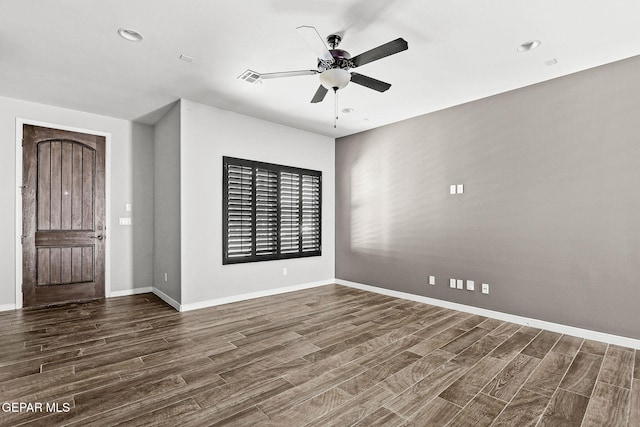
252, 295
526, 321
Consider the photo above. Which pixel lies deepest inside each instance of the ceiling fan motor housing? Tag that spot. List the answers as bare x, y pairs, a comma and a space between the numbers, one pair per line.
341, 60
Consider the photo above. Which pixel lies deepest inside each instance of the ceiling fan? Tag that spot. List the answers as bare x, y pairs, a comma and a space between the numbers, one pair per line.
334, 64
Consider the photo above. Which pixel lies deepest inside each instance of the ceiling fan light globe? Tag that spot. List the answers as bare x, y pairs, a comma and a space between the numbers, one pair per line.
335, 78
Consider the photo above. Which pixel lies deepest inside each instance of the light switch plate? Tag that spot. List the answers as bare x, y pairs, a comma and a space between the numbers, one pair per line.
471, 285
460, 188
460, 283
127, 207
124, 221
452, 189
452, 283
432, 280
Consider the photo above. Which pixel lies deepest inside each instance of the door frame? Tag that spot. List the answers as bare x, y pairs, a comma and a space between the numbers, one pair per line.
20, 122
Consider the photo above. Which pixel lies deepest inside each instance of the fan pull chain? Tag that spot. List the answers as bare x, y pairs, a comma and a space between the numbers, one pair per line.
335, 119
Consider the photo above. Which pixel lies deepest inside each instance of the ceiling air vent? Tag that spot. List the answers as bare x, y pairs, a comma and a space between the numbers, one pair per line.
250, 76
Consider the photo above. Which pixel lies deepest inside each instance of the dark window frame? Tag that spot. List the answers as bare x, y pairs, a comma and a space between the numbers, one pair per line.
279, 169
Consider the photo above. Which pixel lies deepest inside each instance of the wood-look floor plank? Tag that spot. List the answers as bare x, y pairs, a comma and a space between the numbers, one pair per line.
568, 345
326, 356
310, 409
594, 347
437, 413
608, 406
289, 398
481, 411
547, 376
355, 409
378, 373
582, 374
383, 418
541, 344
565, 409
465, 340
634, 406
617, 367
464, 389
505, 330
512, 346
524, 410
508, 381
476, 351
416, 371
415, 397
167, 414
426, 345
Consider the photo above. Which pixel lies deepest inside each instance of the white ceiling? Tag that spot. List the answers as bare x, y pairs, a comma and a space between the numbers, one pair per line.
67, 53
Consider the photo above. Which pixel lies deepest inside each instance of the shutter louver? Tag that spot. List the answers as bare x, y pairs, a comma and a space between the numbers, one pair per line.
266, 212
310, 213
239, 211
270, 211
289, 213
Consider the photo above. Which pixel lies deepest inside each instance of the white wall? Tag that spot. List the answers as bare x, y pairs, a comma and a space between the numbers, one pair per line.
208, 134
166, 253
120, 187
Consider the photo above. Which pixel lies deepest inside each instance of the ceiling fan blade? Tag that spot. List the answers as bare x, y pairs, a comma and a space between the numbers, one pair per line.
369, 82
382, 51
278, 75
315, 42
320, 94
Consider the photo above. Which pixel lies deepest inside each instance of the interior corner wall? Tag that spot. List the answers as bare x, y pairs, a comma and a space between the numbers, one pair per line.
549, 213
166, 253
210, 133
129, 263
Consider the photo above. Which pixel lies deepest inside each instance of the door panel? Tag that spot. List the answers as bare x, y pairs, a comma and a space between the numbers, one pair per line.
63, 216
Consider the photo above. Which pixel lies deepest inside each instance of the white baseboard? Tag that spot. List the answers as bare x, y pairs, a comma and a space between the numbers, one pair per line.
541, 324
166, 298
243, 297
7, 307
134, 291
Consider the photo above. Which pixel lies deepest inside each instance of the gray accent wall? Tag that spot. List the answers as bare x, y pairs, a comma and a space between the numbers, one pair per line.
549, 217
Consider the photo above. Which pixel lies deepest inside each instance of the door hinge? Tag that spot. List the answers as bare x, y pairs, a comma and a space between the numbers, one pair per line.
22, 239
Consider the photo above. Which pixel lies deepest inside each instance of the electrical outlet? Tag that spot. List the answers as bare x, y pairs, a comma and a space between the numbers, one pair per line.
432, 280
452, 283
460, 283
452, 189
285, 271
485, 288
470, 285
460, 188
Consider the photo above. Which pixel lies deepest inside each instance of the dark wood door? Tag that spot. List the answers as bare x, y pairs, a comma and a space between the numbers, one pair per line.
63, 216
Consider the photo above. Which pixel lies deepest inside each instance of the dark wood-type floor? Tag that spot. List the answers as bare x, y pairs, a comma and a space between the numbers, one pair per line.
321, 357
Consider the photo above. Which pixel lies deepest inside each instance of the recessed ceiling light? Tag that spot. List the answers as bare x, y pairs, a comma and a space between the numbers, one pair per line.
530, 45
552, 61
347, 110
131, 35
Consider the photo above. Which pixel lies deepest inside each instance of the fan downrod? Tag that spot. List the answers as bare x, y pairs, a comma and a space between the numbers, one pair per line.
334, 40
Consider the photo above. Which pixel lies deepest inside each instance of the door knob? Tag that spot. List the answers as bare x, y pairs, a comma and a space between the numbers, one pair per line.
98, 237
